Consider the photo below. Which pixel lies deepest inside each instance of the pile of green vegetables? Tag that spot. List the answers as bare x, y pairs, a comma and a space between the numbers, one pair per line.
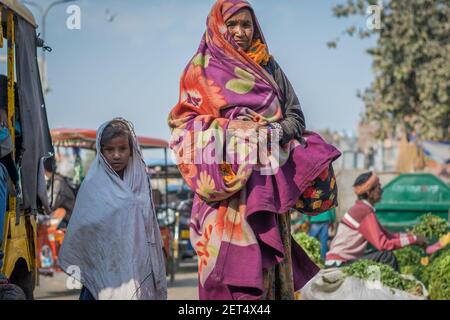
311, 246
408, 259
431, 227
436, 275
388, 276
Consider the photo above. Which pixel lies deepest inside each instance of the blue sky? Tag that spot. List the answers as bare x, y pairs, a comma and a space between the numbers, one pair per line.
131, 67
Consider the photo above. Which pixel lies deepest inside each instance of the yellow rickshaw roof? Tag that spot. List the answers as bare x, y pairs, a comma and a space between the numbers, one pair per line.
20, 9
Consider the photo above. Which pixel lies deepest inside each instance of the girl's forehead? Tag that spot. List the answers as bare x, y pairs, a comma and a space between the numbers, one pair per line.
117, 140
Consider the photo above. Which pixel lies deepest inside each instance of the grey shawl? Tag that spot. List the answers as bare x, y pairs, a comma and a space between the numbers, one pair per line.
113, 245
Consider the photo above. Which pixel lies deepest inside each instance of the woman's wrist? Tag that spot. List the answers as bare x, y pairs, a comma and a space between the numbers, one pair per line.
275, 126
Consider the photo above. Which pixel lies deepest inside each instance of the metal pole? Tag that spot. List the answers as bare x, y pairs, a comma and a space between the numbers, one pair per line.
44, 14
43, 56
166, 171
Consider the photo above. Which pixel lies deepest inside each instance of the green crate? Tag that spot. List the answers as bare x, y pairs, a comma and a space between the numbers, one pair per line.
409, 196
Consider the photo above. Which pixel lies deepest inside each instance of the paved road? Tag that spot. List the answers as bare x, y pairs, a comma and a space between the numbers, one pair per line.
183, 288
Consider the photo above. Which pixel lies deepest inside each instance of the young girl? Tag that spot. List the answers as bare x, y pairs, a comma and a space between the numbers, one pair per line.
113, 245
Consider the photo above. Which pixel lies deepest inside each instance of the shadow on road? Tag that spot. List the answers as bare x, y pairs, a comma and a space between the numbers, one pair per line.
182, 283
186, 276
59, 294
185, 286
188, 266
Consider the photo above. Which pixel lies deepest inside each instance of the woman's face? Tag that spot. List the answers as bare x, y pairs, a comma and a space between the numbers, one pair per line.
242, 28
117, 153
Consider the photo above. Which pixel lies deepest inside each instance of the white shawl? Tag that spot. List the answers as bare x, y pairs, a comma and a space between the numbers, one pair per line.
113, 237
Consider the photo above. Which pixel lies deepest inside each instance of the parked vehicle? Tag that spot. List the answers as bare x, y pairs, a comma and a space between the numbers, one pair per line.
28, 127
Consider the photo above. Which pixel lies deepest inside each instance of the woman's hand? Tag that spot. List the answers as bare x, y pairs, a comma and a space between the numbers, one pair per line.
245, 125
245, 129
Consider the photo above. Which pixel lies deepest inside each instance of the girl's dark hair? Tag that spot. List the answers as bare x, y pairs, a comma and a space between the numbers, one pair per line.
360, 181
116, 129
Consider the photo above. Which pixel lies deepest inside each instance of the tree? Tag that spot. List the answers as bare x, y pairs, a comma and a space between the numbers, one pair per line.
411, 62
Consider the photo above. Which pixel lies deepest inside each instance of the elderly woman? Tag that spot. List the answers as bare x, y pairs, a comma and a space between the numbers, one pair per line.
232, 88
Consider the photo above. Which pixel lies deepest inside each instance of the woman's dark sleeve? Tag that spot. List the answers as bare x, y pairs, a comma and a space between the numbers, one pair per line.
293, 123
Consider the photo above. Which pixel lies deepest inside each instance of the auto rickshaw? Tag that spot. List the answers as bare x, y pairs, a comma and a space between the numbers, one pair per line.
28, 127
176, 209
50, 238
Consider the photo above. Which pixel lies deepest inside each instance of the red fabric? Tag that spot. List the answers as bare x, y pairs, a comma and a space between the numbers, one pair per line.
332, 256
359, 227
371, 230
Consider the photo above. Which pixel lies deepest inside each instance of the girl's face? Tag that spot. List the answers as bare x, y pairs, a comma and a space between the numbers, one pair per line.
117, 153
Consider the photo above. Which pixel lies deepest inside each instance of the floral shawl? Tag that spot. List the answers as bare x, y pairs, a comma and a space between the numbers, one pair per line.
233, 223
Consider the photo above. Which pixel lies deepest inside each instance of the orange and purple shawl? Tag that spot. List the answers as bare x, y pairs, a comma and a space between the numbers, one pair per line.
233, 223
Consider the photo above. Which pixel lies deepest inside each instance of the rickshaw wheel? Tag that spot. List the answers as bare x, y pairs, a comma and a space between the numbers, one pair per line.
23, 278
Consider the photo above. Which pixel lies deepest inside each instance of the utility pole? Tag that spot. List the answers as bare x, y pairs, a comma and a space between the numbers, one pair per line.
44, 13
